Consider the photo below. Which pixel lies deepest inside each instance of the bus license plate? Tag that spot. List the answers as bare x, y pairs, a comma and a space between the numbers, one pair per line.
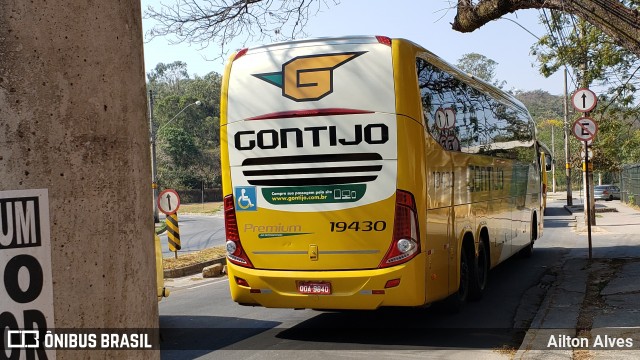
314, 287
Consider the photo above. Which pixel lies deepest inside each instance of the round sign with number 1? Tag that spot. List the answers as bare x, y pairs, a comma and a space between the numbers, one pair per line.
168, 201
584, 100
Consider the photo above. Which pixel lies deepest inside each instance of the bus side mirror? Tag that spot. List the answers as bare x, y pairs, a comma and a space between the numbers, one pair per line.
548, 162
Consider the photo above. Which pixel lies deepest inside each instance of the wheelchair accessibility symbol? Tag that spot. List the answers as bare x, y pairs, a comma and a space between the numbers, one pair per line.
246, 199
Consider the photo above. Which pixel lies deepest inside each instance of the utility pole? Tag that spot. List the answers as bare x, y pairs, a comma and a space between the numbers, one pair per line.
154, 169
585, 130
566, 141
553, 160
590, 214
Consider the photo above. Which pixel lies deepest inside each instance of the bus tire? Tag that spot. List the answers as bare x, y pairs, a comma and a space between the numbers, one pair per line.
456, 300
480, 276
528, 251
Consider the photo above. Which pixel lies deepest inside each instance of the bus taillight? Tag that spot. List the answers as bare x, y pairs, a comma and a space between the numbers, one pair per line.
406, 234
240, 54
384, 40
235, 252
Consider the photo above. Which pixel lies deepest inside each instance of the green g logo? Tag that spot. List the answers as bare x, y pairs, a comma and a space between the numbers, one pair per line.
308, 78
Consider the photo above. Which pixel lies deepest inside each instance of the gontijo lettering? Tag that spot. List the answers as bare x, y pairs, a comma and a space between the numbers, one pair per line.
372, 134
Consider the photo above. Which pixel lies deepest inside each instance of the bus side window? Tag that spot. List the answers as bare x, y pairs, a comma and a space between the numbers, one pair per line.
462, 118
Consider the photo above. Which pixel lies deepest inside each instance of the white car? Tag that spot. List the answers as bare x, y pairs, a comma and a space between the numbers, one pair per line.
606, 192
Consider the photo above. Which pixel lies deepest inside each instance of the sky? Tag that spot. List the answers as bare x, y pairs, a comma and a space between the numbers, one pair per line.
424, 22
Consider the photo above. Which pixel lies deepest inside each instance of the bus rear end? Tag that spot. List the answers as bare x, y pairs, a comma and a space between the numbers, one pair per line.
313, 215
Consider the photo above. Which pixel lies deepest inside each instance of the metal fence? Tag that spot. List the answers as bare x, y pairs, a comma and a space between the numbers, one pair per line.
188, 196
630, 184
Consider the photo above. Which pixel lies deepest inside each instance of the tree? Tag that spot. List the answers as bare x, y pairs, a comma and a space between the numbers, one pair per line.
167, 77
617, 142
591, 54
221, 21
546, 110
481, 67
619, 20
596, 59
188, 146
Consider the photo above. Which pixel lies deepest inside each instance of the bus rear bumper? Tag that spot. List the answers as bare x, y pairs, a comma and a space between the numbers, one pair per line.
350, 289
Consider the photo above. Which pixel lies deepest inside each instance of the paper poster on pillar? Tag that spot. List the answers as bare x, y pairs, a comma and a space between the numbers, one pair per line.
26, 310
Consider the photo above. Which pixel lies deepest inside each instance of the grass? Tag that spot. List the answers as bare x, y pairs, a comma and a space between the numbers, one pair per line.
192, 258
162, 227
632, 205
207, 208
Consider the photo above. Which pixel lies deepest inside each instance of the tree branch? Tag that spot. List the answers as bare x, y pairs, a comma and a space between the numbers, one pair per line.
203, 22
611, 16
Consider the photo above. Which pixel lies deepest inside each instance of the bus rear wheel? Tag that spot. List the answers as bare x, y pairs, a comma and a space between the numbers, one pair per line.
480, 274
456, 300
528, 250
465, 276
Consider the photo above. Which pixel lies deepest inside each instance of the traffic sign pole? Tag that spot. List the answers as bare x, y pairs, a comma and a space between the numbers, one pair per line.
588, 193
169, 203
585, 129
173, 233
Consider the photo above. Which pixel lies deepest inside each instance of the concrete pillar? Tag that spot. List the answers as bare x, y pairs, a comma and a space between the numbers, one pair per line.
73, 121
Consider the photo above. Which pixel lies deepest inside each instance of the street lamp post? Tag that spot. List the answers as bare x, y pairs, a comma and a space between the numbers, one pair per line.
154, 132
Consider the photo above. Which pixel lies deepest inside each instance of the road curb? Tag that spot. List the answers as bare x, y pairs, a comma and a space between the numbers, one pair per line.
580, 209
193, 269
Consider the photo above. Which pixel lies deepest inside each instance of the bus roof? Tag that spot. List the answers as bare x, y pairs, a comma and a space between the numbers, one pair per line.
370, 39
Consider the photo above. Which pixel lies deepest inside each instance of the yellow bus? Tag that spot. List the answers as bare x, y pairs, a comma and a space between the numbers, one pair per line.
362, 172
546, 162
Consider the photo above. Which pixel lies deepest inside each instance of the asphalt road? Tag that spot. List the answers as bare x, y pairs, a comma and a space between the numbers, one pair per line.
197, 232
199, 320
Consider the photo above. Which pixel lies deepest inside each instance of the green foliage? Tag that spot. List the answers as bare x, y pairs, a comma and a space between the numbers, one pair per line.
481, 67
548, 112
617, 142
542, 105
595, 60
188, 135
179, 145
593, 57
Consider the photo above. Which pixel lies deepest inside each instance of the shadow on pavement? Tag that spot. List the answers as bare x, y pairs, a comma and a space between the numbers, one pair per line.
194, 336
396, 329
556, 211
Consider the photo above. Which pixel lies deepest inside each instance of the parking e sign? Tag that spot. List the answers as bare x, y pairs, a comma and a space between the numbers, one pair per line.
585, 129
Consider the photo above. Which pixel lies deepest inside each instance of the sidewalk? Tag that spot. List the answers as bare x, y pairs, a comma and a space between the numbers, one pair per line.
592, 311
